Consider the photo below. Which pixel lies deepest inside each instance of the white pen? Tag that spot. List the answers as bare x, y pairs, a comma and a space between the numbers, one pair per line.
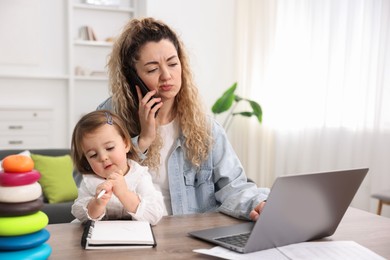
101, 193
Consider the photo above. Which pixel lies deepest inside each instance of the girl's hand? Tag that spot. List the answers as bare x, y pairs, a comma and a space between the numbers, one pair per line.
129, 199
96, 207
119, 186
107, 187
147, 118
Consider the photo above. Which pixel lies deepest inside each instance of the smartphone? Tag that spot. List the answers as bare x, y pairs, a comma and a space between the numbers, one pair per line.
135, 80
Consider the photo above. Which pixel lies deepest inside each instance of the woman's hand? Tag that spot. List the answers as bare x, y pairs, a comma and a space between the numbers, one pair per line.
255, 213
147, 118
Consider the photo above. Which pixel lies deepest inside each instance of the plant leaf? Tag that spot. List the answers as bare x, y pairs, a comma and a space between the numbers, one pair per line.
257, 111
225, 101
244, 113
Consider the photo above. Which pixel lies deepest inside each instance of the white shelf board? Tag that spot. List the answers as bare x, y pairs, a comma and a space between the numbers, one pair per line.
38, 76
104, 8
91, 78
93, 43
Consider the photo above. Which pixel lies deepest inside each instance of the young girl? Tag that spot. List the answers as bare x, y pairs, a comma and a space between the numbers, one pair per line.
114, 185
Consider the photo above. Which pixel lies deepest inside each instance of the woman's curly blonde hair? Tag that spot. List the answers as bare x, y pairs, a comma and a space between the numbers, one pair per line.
189, 111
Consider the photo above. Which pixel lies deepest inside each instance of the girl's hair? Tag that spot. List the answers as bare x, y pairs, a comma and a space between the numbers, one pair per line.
90, 123
189, 110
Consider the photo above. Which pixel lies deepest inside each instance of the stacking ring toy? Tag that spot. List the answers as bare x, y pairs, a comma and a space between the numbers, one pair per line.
18, 163
40, 252
25, 241
20, 193
20, 209
23, 225
18, 179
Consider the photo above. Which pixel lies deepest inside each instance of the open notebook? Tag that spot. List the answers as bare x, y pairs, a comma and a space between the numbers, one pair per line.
111, 234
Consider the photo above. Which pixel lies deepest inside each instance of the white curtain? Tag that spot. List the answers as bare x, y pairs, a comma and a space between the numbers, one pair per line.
321, 72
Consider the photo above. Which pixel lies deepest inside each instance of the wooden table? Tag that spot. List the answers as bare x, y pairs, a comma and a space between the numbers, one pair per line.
173, 242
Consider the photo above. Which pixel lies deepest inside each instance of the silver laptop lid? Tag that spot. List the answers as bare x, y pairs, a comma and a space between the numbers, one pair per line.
304, 207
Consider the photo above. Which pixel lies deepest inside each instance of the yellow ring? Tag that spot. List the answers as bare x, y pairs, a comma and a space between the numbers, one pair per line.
22, 225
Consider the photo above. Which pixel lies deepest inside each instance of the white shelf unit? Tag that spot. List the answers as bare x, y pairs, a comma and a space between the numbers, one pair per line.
37, 67
30, 127
88, 58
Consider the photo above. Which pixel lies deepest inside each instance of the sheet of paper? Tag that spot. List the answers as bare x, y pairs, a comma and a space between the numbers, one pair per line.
221, 252
329, 250
335, 250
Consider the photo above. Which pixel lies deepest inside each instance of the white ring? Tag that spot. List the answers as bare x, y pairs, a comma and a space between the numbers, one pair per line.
22, 193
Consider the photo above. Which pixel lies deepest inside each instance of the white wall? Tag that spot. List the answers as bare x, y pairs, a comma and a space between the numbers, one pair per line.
35, 34
33, 37
207, 28
34, 45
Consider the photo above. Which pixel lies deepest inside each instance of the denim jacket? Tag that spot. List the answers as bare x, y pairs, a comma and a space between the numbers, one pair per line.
218, 184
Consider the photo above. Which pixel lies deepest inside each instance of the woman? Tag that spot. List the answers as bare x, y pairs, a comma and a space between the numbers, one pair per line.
189, 156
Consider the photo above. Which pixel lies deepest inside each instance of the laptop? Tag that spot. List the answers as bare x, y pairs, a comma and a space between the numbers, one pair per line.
299, 208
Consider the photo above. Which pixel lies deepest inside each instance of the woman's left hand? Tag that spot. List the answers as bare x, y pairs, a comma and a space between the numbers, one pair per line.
255, 213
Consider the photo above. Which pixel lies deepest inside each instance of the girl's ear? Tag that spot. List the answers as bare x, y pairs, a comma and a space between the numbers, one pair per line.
128, 145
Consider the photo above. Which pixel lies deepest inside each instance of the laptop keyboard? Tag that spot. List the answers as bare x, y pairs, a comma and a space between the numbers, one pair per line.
238, 240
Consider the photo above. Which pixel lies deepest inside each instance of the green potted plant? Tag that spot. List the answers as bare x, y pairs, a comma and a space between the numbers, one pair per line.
229, 101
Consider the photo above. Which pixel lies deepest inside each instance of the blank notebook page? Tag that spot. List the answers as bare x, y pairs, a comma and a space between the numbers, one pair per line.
121, 232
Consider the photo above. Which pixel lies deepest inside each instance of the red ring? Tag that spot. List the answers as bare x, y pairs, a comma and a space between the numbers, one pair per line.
19, 179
